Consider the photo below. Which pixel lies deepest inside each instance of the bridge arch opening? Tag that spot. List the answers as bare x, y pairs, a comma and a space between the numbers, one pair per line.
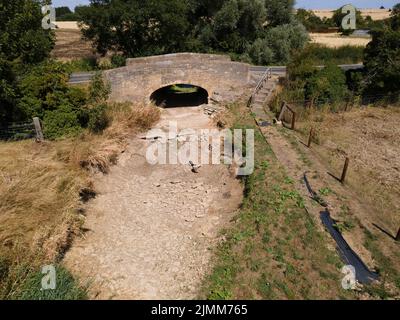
179, 95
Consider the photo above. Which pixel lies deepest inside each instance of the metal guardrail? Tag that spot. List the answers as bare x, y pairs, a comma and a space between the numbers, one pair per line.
283, 69
81, 77
266, 76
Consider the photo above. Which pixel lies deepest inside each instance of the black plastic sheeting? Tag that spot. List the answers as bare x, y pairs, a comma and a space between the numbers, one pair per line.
363, 274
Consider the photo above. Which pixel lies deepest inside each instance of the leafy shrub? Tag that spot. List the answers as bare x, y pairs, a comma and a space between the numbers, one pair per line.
98, 118
76, 97
382, 63
43, 88
355, 81
46, 94
22, 37
7, 92
84, 64
326, 85
278, 44
301, 70
61, 122
99, 90
260, 53
118, 61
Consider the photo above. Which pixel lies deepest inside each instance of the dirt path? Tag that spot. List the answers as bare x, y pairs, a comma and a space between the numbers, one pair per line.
150, 229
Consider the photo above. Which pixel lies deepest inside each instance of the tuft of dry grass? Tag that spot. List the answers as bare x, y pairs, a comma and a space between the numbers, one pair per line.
37, 192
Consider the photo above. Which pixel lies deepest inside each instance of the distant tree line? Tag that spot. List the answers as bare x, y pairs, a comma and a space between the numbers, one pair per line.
66, 14
313, 23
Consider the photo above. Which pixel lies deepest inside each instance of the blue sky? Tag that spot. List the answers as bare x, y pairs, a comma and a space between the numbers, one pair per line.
312, 4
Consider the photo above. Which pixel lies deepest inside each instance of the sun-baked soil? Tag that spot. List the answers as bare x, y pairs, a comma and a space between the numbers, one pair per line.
151, 228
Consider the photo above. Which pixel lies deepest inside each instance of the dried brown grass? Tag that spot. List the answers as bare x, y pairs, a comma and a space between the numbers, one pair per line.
335, 40
40, 206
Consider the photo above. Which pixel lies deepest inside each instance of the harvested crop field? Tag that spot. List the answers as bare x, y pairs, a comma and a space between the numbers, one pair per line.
370, 137
334, 40
376, 14
70, 45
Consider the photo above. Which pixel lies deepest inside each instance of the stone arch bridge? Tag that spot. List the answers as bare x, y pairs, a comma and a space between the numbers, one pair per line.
215, 73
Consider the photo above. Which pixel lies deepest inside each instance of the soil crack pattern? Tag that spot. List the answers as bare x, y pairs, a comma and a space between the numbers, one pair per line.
151, 229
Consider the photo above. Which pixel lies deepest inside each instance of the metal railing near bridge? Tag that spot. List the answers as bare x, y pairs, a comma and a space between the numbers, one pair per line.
264, 79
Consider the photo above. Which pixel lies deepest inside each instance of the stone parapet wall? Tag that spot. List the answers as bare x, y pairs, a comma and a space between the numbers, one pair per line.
142, 76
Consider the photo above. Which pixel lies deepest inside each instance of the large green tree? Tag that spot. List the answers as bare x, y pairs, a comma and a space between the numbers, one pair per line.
7, 92
382, 62
21, 34
236, 25
242, 28
23, 42
136, 27
326, 85
395, 17
279, 12
278, 44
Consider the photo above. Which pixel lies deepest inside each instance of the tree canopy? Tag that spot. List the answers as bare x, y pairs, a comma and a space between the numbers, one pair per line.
22, 41
238, 27
137, 28
382, 62
21, 33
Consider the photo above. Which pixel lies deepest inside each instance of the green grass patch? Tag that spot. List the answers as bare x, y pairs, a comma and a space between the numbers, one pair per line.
24, 282
273, 249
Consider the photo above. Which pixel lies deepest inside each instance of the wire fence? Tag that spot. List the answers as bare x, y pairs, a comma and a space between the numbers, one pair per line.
377, 99
17, 131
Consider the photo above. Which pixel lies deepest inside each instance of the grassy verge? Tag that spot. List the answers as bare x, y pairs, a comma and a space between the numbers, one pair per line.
43, 188
24, 282
273, 249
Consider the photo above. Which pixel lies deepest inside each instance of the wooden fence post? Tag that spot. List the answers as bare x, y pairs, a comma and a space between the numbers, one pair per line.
398, 236
282, 112
38, 129
293, 120
310, 137
345, 168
